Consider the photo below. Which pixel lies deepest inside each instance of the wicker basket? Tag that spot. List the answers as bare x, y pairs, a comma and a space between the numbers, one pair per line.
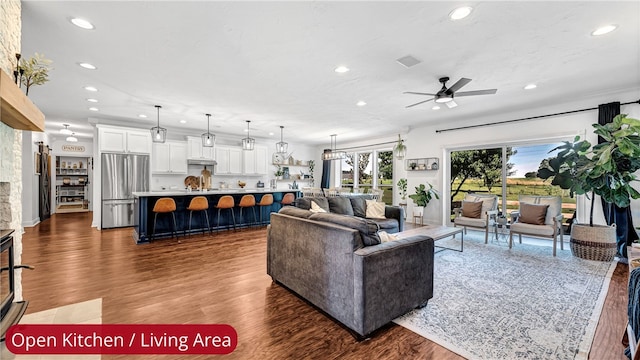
596, 242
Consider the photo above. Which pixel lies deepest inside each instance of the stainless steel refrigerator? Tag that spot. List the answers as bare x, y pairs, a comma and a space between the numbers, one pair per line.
122, 174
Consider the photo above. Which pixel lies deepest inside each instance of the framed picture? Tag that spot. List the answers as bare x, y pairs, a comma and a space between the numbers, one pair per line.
36, 163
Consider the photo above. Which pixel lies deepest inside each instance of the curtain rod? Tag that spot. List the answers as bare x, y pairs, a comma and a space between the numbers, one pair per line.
369, 145
527, 118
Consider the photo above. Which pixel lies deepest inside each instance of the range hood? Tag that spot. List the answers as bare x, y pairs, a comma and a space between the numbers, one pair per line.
205, 162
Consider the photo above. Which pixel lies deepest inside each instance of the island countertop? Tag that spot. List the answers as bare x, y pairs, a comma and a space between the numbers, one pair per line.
177, 192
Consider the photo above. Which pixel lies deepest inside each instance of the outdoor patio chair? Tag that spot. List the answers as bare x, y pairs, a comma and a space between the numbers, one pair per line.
532, 220
376, 194
473, 215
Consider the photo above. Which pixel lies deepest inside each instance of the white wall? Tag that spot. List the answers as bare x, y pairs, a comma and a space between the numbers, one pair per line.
425, 142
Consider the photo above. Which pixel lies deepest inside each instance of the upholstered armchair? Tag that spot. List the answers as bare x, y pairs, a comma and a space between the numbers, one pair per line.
539, 216
477, 211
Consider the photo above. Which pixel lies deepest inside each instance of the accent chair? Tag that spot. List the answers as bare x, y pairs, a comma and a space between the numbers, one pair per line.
539, 216
484, 215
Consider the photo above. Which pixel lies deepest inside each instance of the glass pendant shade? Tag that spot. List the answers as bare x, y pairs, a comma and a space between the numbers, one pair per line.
248, 143
208, 139
158, 134
333, 154
400, 150
281, 147
72, 138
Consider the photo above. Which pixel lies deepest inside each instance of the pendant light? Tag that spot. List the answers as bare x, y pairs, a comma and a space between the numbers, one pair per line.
400, 150
333, 153
72, 138
208, 139
281, 147
248, 143
66, 130
158, 134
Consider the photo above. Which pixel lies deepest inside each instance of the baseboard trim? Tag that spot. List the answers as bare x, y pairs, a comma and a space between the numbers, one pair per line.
31, 223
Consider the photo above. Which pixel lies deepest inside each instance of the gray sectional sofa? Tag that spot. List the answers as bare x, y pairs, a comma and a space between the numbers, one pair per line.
334, 262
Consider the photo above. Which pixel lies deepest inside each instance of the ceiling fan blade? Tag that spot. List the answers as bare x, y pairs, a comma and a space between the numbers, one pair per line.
451, 104
418, 103
462, 82
418, 93
477, 92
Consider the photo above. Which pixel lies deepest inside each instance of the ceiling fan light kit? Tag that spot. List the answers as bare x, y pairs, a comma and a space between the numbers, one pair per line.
445, 95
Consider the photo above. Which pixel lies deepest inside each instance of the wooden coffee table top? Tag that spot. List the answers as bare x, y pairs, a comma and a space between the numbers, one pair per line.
436, 232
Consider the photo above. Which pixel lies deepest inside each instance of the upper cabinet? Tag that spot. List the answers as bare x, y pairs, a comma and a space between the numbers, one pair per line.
229, 159
169, 158
122, 140
255, 162
195, 150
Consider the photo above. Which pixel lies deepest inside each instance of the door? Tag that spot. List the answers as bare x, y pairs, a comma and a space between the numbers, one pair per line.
114, 179
161, 157
117, 213
45, 182
137, 174
139, 142
235, 161
113, 140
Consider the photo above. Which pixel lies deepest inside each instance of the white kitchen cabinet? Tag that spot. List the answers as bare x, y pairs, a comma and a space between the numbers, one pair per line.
122, 140
169, 158
195, 150
255, 162
229, 160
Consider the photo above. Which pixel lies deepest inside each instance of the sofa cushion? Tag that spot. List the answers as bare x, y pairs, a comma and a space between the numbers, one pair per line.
294, 211
305, 202
315, 208
368, 229
389, 225
374, 209
340, 205
472, 209
533, 214
359, 206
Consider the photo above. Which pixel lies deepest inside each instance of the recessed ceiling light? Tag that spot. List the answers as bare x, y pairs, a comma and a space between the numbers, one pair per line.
361, 103
530, 86
183, 121
603, 30
460, 13
92, 100
341, 69
435, 107
88, 66
270, 134
90, 88
82, 23
142, 116
93, 108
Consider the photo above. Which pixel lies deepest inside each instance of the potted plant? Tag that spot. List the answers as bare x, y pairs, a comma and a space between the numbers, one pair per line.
35, 71
423, 196
278, 173
413, 165
402, 189
606, 169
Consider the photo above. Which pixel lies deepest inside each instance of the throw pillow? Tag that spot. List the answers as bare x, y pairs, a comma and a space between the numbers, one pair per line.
472, 209
340, 205
359, 206
386, 237
533, 213
375, 209
315, 208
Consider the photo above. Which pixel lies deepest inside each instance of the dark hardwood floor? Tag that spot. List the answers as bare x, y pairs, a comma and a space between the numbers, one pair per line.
222, 279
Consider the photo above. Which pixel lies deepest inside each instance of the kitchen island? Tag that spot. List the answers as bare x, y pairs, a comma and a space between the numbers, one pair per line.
144, 202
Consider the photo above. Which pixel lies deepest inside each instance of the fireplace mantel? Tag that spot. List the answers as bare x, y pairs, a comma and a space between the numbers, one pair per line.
17, 111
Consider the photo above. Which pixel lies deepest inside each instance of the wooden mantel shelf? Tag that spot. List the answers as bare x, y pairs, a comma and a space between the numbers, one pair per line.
16, 110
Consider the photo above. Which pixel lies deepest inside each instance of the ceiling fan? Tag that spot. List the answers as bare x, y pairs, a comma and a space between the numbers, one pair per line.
446, 95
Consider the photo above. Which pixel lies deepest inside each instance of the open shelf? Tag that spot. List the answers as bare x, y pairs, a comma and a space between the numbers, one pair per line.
422, 164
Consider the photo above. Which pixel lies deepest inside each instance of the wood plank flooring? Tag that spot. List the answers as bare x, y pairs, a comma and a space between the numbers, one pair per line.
222, 279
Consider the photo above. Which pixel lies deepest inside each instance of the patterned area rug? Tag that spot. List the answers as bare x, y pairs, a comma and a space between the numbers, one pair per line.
494, 303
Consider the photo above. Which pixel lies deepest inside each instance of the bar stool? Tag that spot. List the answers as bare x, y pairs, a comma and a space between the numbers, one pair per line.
199, 203
164, 206
248, 201
266, 200
287, 199
226, 202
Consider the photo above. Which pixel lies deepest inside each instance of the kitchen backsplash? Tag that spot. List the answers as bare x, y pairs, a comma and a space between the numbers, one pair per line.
169, 181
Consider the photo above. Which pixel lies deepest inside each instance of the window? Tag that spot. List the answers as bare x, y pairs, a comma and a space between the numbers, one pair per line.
370, 169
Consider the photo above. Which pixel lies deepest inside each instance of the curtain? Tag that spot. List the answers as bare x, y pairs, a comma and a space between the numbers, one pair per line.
326, 172
625, 231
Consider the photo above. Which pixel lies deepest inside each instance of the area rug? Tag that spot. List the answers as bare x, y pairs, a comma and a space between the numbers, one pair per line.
490, 302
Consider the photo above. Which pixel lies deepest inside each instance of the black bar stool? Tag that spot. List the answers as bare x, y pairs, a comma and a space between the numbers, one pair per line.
164, 206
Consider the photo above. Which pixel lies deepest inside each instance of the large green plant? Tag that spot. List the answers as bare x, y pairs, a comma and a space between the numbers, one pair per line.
402, 188
35, 71
606, 169
423, 195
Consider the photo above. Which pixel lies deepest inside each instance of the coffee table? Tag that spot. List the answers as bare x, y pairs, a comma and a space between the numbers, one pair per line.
436, 232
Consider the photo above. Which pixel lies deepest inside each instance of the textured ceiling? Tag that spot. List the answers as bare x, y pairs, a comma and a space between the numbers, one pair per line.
273, 62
